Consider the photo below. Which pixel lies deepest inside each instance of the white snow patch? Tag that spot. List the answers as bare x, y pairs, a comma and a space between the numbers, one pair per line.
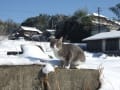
34, 52
48, 68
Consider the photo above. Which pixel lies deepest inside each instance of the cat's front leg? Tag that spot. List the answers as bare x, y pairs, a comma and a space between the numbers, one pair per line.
62, 64
67, 65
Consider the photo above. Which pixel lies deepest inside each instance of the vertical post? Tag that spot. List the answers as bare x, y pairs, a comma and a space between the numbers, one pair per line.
103, 45
119, 43
99, 20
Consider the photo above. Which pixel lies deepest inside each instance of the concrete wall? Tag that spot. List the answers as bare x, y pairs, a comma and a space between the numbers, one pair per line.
30, 78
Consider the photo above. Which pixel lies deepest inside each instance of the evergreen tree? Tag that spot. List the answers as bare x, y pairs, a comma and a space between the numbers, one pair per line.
76, 27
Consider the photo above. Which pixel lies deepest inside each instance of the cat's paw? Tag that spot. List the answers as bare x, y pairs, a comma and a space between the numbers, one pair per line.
78, 67
67, 67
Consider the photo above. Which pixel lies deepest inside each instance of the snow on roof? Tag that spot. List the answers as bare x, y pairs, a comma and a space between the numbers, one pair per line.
117, 22
102, 16
50, 30
104, 35
95, 14
31, 29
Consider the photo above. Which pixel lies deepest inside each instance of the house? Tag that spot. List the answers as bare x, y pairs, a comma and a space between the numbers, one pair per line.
107, 42
25, 32
29, 31
51, 31
102, 23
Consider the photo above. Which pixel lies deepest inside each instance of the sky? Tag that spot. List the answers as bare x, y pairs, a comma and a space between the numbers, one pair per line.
20, 10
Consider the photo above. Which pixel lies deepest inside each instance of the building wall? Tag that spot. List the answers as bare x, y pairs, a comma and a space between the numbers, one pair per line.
105, 25
103, 28
30, 33
95, 45
109, 46
112, 45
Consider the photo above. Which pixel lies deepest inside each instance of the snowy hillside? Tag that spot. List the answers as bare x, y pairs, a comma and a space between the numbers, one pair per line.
32, 54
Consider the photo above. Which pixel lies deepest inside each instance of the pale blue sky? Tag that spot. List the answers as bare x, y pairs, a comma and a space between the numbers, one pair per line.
19, 10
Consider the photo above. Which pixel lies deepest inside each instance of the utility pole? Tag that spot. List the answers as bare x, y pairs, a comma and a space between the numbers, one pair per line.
99, 28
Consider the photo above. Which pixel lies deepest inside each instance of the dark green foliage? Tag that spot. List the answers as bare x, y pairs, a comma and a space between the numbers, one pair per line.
116, 10
73, 31
80, 13
75, 28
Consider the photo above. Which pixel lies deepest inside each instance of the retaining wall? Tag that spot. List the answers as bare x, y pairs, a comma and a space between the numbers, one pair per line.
30, 78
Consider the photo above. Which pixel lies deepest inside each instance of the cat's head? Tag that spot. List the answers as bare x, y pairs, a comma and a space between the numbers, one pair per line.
56, 44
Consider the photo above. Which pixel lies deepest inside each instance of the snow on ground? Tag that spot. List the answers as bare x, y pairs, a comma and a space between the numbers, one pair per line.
32, 54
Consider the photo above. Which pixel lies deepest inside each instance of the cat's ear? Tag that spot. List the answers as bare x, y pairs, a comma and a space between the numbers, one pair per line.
61, 39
